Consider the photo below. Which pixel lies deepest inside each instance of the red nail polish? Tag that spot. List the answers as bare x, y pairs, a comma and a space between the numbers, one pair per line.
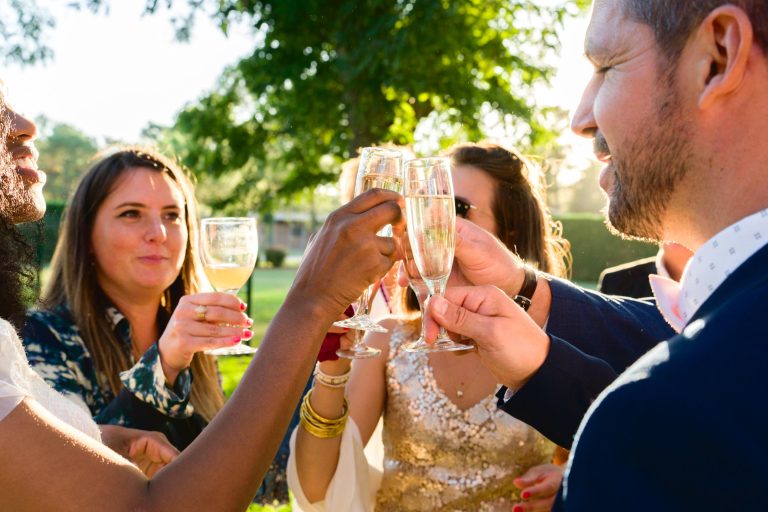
236, 339
243, 306
249, 322
247, 334
517, 508
525, 495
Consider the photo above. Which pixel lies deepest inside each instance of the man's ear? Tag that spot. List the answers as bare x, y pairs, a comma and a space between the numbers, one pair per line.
722, 46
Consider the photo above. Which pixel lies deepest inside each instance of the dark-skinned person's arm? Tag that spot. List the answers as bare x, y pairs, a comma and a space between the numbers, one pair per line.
223, 467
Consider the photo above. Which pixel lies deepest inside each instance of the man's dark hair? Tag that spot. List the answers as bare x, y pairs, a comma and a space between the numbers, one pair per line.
16, 270
673, 21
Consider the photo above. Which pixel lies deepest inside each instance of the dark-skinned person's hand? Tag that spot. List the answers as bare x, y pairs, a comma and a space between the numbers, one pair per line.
347, 255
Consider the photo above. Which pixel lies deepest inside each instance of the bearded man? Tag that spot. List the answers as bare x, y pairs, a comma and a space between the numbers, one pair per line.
676, 107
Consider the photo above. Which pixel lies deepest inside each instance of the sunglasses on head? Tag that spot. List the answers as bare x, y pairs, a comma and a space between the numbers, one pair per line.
463, 207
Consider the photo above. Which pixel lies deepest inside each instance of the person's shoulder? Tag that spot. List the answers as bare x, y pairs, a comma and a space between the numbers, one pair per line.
632, 266
717, 356
54, 326
57, 316
629, 279
399, 331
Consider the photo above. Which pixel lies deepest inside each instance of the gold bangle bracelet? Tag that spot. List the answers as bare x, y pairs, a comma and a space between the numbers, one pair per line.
319, 426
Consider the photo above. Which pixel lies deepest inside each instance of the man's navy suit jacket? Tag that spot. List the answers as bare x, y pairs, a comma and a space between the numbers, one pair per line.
686, 427
593, 338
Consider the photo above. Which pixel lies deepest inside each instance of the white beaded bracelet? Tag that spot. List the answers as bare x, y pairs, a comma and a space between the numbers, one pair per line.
331, 381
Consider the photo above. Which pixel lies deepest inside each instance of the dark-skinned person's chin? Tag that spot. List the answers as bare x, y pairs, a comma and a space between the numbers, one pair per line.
21, 194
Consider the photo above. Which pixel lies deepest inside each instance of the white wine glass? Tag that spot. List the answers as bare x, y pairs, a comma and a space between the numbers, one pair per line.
229, 248
431, 213
379, 168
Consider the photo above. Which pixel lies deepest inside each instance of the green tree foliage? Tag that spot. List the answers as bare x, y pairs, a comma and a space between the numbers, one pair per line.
330, 76
65, 154
333, 76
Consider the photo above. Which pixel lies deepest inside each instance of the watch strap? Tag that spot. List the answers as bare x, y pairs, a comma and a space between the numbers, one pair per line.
525, 295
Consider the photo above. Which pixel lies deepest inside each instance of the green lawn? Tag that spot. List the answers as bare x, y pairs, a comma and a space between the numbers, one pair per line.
267, 294
268, 290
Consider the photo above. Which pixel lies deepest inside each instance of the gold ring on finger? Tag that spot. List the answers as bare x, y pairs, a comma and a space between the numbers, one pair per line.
200, 312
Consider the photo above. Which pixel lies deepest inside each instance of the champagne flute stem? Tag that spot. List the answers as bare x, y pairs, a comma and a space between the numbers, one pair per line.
362, 303
358, 339
438, 288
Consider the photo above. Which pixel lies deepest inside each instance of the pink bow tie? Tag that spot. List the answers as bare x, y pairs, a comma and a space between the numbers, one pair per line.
667, 293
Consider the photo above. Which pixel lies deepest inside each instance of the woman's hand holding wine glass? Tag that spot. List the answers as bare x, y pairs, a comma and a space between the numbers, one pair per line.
201, 322
229, 250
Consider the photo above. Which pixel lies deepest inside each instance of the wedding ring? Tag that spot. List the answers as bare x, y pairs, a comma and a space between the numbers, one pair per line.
200, 313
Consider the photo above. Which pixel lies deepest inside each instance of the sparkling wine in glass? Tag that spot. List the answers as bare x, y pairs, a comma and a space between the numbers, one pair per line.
229, 248
379, 168
431, 213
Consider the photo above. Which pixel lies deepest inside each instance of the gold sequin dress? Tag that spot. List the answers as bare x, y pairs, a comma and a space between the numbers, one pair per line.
439, 457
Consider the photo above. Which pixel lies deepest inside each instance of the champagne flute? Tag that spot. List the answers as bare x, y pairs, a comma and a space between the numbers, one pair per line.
431, 215
421, 292
229, 250
379, 168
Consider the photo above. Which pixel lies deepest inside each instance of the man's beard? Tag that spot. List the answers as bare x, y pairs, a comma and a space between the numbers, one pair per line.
17, 202
14, 196
646, 174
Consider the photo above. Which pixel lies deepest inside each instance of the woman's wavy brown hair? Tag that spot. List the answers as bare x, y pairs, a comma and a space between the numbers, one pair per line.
74, 283
523, 221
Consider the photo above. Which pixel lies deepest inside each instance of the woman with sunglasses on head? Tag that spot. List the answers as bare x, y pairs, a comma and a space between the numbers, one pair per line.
49, 445
446, 445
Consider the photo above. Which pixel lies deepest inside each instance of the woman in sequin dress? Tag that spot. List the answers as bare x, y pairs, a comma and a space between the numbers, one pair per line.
446, 446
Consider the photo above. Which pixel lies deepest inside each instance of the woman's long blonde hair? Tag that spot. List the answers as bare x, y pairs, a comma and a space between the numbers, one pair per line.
73, 281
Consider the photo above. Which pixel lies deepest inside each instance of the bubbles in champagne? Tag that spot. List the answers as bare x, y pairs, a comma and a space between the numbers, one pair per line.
431, 229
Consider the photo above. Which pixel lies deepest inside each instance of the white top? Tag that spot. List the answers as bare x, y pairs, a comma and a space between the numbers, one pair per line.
18, 381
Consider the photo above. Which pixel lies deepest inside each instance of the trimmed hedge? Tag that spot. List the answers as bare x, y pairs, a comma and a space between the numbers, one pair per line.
275, 256
594, 248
